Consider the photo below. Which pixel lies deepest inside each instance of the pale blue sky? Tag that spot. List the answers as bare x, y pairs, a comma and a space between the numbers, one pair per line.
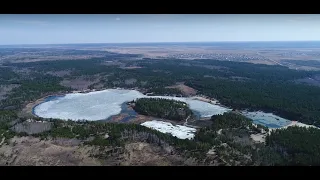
86, 28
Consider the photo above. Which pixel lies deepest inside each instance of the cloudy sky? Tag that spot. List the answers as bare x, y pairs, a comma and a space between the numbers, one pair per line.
59, 29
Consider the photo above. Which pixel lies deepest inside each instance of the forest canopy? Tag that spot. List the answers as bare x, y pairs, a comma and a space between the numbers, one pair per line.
162, 108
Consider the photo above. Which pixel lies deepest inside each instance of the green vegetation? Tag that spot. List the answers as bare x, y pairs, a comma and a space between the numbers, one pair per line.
164, 91
228, 137
6, 119
163, 108
297, 145
230, 120
32, 89
238, 85
6, 74
119, 134
291, 101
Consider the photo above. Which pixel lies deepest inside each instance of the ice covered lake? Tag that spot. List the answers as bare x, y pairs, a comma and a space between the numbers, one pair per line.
267, 119
100, 105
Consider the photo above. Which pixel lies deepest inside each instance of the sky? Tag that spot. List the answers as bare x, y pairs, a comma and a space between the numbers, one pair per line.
135, 28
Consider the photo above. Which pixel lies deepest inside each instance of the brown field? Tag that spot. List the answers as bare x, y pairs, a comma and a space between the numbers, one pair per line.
35, 152
59, 73
50, 58
79, 83
31, 151
131, 67
269, 56
154, 52
186, 90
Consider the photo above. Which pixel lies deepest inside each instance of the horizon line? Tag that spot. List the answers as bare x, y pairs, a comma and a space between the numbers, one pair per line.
157, 42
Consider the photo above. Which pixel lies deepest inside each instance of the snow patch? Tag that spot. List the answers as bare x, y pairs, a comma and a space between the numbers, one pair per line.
258, 137
181, 132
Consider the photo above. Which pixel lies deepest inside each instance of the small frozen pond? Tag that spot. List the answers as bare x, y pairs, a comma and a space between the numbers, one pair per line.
100, 105
267, 119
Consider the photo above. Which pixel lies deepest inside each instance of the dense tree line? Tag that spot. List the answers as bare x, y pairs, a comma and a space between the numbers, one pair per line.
292, 101
119, 134
162, 108
7, 74
291, 146
297, 145
263, 87
32, 89
165, 91
311, 63
268, 88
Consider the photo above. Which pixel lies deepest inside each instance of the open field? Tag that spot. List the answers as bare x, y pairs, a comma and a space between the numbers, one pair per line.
273, 56
69, 152
261, 53
79, 83
186, 90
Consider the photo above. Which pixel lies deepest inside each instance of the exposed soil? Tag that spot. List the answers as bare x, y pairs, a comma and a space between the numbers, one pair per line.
186, 90
98, 86
27, 110
32, 127
35, 152
59, 73
131, 67
32, 151
130, 81
78, 83
144, 154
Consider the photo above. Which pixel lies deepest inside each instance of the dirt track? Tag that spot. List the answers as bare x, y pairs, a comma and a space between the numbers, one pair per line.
186, 90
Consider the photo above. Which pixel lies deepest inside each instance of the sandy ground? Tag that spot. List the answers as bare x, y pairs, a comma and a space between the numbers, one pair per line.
32, 151
261, 136
258, 137
144, 154
131, 67
29, 106
299, 124
186, 90
27, 110
35, 152
213, 101
59, 73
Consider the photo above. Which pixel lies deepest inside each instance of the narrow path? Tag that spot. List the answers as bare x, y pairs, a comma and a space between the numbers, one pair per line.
186, 123
3, 139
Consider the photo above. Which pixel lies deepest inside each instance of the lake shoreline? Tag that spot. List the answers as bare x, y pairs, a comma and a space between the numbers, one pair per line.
31, 106
130, 114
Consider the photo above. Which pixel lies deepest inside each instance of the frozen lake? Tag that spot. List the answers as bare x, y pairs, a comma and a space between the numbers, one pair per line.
267, 119
100, 105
